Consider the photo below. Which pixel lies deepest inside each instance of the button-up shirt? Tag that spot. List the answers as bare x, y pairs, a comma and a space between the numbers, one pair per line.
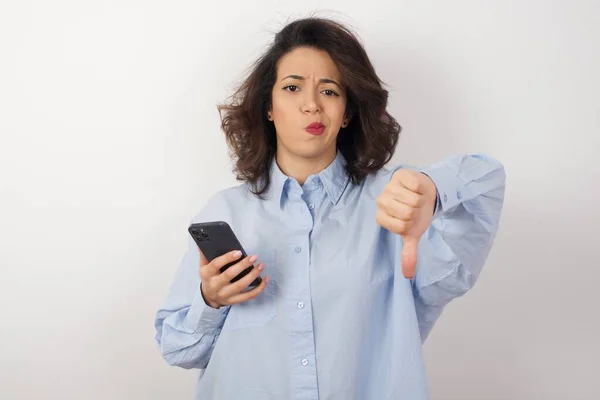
338, 319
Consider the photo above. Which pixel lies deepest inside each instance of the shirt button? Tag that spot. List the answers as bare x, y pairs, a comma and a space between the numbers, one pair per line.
298, 249
304, 362
300, 304
445, 198
311, 206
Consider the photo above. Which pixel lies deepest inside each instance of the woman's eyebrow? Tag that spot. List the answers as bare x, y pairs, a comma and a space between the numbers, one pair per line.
322, 80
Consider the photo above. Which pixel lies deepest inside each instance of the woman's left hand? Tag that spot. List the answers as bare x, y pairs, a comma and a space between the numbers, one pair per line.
406, 207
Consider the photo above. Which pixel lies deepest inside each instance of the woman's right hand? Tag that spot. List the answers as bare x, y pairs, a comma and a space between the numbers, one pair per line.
216, 286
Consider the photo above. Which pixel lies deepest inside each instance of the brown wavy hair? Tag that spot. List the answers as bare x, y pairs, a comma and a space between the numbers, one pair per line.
367, 142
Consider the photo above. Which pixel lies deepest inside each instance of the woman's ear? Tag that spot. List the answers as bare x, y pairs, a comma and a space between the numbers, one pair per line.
346, 121
348, 113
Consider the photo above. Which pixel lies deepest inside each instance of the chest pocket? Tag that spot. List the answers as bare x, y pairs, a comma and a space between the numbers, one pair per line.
260, 310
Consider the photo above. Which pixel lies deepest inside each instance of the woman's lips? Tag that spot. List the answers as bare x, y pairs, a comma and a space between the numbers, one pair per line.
316, 128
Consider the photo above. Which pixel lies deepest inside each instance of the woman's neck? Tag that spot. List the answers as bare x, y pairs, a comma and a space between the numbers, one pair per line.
300, 168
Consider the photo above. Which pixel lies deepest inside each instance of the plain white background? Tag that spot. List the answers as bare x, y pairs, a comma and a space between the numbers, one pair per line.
110, 143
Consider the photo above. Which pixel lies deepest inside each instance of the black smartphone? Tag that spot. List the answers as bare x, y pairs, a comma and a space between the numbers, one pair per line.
216, 238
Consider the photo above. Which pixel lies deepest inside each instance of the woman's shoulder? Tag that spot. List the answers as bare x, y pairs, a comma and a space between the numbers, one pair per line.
233, 195
375, 182
224, 202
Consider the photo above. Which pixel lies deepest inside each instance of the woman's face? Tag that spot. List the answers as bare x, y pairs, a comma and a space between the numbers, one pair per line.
308, 105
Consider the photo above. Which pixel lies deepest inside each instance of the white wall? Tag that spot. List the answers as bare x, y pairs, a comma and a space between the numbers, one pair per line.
110, 144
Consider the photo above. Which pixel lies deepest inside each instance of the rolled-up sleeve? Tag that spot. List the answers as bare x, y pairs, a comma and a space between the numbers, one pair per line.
455, 247
186, 327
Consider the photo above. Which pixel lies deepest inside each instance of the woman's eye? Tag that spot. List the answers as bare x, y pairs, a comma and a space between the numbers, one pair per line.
291, 88
330, 92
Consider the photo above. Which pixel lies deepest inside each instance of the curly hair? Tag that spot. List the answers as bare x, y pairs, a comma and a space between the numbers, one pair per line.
367, 142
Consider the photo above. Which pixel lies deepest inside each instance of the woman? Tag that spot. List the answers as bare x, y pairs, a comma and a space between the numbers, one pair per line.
329, 228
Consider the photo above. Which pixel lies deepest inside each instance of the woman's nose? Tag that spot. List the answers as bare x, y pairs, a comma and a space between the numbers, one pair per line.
310, 104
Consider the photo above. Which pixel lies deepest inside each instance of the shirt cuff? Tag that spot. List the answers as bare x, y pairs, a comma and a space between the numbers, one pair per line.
450, 188
202, 317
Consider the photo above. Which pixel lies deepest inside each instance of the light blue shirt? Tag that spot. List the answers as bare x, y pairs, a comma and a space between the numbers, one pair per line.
338, 320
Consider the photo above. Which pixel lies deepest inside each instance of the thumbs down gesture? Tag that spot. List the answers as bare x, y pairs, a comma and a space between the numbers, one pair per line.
406, 207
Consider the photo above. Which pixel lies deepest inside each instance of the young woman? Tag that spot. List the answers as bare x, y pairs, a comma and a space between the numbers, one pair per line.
358, 259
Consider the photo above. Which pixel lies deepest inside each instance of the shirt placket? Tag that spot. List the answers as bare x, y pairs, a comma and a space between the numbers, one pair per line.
303, 359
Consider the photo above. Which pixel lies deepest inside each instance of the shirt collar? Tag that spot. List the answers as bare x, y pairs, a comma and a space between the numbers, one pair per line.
334, 179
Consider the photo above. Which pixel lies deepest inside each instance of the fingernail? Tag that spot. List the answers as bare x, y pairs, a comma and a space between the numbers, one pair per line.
261, 267
253, 259
237, 254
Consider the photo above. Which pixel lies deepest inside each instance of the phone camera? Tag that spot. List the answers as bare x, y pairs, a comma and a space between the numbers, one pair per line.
204, 236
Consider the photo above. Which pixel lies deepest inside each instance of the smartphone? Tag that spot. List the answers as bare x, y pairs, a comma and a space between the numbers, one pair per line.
217, 238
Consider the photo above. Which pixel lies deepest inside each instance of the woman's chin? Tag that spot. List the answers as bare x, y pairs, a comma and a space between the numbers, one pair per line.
314, 152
